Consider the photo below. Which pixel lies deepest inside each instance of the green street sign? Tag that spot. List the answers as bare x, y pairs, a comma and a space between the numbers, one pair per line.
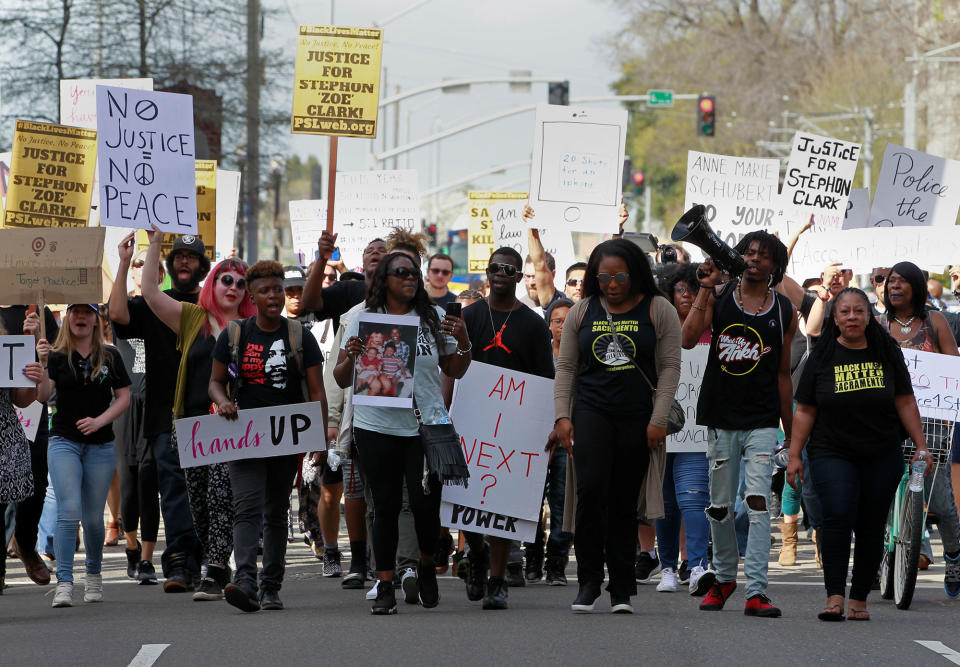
660, 98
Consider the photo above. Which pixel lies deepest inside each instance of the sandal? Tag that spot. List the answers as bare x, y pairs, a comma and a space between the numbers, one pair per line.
833, 612
858, 615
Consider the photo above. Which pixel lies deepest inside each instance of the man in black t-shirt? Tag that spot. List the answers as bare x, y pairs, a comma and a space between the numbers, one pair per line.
746, 392
439, 272
334, 301
187, 265
503, 332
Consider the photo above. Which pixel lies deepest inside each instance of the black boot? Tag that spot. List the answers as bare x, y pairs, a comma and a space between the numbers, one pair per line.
133, 560
496, 594
477, 576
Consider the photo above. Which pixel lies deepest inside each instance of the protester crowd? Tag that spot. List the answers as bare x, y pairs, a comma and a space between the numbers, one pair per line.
785, 359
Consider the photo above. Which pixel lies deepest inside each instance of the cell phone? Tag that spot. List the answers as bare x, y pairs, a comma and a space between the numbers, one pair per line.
336, 254
454, 308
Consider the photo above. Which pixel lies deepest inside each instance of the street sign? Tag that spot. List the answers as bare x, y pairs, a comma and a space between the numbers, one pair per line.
660, 98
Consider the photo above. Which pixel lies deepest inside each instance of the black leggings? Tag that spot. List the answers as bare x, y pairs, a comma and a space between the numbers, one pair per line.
855, 496
611, 459
139, 496
385, 460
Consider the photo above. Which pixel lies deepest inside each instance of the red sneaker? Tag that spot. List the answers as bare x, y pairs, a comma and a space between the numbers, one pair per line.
759, 605
717, 596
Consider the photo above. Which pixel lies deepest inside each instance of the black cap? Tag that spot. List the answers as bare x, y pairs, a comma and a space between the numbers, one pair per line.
189, 243
294, 276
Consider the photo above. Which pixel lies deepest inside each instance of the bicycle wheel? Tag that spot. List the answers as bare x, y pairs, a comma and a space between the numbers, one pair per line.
907, 552
886, 574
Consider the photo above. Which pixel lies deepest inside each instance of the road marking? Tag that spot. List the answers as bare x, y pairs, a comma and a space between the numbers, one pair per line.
148, 655
942, 649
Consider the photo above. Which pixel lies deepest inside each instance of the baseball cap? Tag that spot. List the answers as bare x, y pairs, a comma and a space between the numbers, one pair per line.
294, 276
189, 243
94, 307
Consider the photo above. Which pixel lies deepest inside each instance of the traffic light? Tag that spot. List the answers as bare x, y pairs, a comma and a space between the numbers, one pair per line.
638, 181
706, 115
558, 92
432, 234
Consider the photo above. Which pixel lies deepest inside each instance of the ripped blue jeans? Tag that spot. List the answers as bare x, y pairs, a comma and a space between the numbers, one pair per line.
685, 497
725, 451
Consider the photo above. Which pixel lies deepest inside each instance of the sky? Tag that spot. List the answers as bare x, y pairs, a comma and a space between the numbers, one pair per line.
451, 38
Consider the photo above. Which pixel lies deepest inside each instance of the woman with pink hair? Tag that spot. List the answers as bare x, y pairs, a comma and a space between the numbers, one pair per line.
223, 298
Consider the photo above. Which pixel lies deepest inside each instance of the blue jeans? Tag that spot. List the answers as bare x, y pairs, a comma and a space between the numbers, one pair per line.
81, 476
558, 542
48, 521
686, 495
183, 546
725, 451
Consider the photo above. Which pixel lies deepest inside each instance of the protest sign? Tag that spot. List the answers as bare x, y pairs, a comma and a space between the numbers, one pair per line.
5, 159
509, 229
277, 430
206, 176
935, 379
818, 180
308, 218
228, 201
146, 160
503, 418
78, 98
915, 189
692, 437
51, 177
858, 209
52, 265
30, 419
739, 193
576, 172
336, 87
15, 353
383, 373
480, 228
460, 517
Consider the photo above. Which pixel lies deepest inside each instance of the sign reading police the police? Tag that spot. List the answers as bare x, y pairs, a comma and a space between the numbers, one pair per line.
146, 156
337, 81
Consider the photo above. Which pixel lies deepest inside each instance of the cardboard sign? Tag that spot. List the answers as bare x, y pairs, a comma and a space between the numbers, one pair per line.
858, 209
384, 374
277, 430
935, 379
59, 265
576, 172
691, 438
739, 193
30, 419
228, 202
146, 160
51, 178
510, 230
336, 87
915, 189
15, 353
78, 98
503, 418
480, 228
460, 517
819, 178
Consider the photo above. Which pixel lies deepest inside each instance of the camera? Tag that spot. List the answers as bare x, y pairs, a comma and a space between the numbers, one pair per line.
668, 254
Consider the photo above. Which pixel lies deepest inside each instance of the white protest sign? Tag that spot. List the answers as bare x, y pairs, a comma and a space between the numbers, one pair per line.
228, 201
460, 517
819, 178
915, 189
370, 204
145, 157
510, 230
858, 209
935, 379
30, 419
308, 218
277, 430
78, 98
15, 353
576, 172
503, 418
739, 193
691, 438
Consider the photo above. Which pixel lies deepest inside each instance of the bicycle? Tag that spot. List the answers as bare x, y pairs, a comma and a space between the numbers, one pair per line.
905, 522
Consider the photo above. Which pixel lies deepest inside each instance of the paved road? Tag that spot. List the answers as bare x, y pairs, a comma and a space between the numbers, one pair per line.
323, 623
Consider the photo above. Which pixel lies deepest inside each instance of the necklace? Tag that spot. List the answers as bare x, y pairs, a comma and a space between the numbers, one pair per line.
497, 340
905, 327
740, 298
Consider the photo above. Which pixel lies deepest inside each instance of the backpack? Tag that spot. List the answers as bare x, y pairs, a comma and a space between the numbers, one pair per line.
242, 330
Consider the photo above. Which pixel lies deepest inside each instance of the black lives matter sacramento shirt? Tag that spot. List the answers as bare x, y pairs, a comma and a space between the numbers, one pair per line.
854, 392
518, 340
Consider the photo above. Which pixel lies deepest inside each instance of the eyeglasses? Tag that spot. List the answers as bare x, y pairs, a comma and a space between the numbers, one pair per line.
403, 273
573, 282
556, 320
879, 278
441, 272
622, 277
509, 270
137, 264
681, 289
227, 280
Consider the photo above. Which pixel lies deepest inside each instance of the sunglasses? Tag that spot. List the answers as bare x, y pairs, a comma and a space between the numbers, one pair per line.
441, 272
403, 273
509, 270
622, 277
573, 282
680, 289
227, 280
879, 278
138, 264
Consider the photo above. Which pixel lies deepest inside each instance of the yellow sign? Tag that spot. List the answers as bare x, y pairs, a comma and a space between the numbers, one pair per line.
337, 81
51, 178
206, 175
480, 228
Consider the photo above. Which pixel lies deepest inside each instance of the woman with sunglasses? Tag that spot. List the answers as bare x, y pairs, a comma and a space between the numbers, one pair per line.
223, 298
603, 404
388, 440
93, 389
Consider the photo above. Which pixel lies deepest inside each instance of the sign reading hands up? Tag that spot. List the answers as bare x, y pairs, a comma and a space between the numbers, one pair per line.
145, 160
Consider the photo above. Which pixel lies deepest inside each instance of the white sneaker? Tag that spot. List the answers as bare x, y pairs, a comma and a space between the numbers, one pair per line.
63, 597
372, 593
668, 581
93, 588
701, 580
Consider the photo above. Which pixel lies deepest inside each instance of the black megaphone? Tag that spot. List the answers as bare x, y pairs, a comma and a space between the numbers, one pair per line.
694, 228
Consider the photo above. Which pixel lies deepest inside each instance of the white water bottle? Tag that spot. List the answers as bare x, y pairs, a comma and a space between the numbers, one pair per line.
916, 472
333, 459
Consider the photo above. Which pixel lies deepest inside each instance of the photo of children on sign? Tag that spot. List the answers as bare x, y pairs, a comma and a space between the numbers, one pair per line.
383, 373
